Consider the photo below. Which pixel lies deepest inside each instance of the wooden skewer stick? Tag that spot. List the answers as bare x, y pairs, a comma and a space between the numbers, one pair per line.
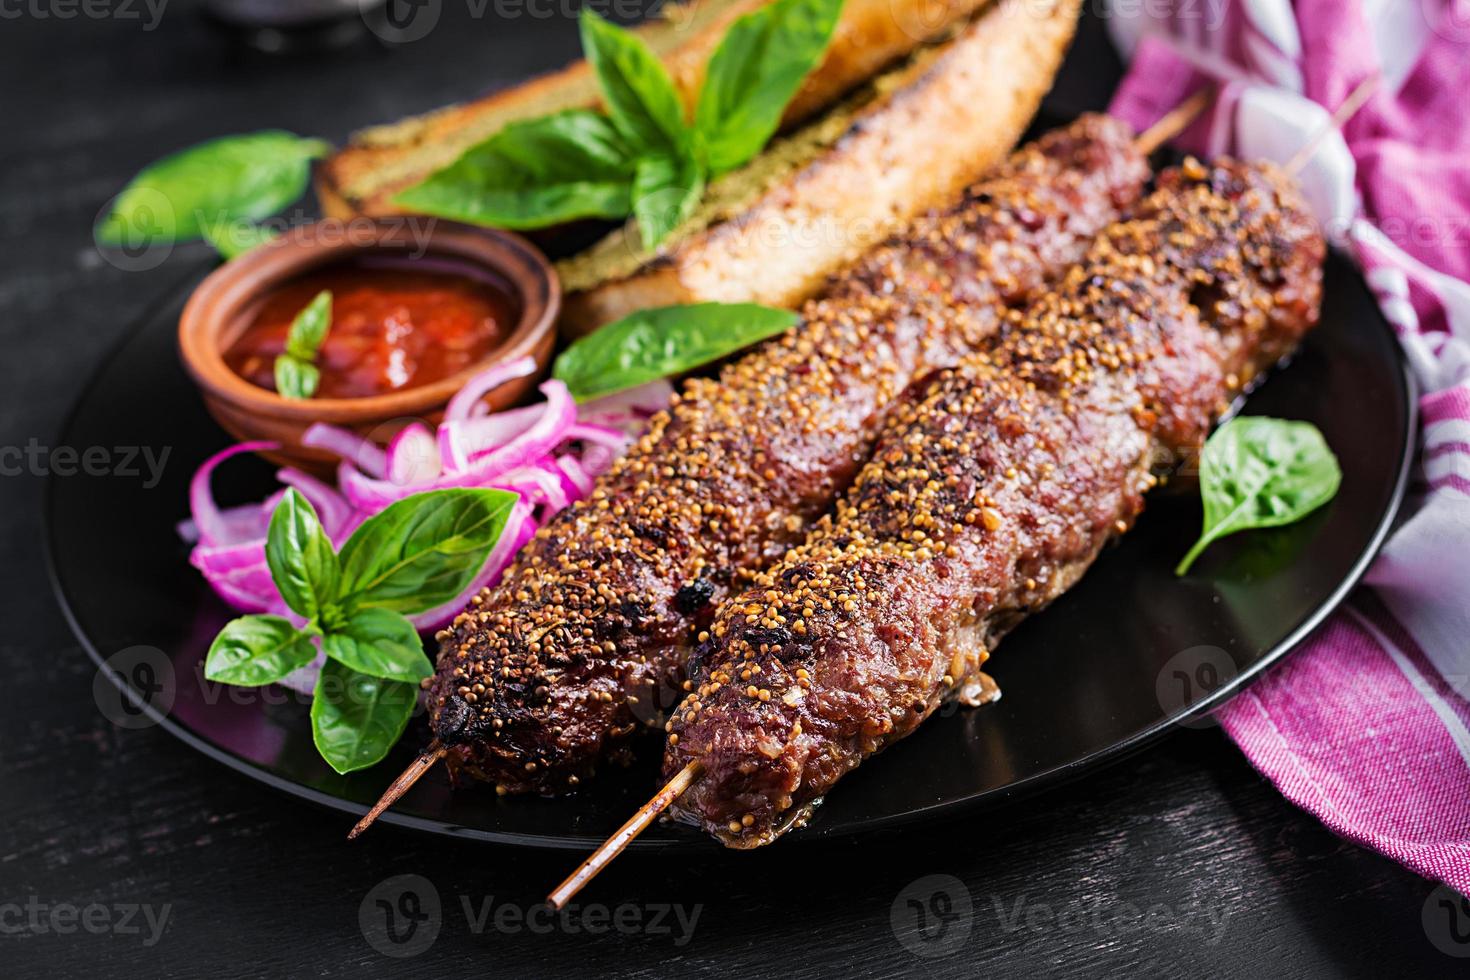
1172, 123
1169, 126
399, 786
1350, 105
614, 845
1156, 135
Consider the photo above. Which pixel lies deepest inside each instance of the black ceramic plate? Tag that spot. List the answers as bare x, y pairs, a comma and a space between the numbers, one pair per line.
1125, 655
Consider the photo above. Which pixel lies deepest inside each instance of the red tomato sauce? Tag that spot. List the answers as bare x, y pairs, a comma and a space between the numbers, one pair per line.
391, 329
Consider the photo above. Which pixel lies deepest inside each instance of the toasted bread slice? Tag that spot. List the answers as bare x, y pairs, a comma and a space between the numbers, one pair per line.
380, 162
773, 231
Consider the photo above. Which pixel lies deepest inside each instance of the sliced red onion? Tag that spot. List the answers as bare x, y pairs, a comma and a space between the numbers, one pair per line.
358, 450
368, 494
541, 484
598, 459
460, 439
643, 402
241, 523
549, 454
559, 415
256, 581
213, 529
248, 588
245, 600
227, 559
331, 507
484, 383
413, 456
580, 480
601, 435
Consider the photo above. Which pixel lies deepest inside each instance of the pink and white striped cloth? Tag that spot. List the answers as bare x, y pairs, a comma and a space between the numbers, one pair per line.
1367, 726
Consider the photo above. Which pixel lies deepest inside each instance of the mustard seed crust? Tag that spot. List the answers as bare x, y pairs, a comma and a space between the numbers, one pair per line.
993, 486
584, 642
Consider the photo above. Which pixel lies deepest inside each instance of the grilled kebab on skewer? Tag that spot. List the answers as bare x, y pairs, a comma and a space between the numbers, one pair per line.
550, 672
991, 489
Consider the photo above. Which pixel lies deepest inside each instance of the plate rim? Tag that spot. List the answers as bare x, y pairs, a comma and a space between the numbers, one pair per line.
1117, 751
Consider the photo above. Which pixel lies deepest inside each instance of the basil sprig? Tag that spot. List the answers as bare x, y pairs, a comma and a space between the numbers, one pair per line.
643, 158
661, 341
640, 96
416, 554
205, 189
297, 375
534, 173
1261, 472
755, 72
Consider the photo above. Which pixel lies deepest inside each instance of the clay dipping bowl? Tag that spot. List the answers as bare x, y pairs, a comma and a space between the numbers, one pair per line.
225, 304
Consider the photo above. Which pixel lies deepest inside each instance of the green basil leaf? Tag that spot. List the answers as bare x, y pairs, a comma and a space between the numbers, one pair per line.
234, 238
380, 643
1262, 472
299, 553
422, 551
754, 73
295, 378
356, 719
309, 327
233, 178
533, 174
658, 342
640, 96
255, 650
665, 191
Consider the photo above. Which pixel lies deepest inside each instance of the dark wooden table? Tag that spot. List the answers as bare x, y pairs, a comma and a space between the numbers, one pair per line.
125, 853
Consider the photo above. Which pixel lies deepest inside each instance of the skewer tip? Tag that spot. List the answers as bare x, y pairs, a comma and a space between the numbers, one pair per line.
1355, 100
624, 835
1173, 122
398, 787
